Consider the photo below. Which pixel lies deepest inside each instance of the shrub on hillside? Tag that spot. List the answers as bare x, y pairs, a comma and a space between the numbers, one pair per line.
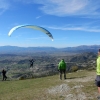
74, 68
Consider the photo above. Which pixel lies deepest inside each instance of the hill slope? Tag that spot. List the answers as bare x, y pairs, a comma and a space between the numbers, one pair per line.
78, 86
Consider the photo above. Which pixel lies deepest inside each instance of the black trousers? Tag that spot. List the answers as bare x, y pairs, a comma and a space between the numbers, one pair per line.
4, 77
97, 80
62, 71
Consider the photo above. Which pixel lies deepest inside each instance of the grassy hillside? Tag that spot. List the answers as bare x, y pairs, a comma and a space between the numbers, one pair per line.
78, 86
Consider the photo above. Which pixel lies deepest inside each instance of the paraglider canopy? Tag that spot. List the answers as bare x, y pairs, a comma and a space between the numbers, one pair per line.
32, 27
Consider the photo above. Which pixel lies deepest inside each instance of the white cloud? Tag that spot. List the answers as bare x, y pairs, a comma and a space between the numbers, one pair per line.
79, 28
63, 7
61, 39
69, 7
36, 38
83, 8
4, 5
38, 17
18, 36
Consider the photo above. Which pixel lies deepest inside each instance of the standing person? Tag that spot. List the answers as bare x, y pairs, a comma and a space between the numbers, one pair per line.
62, 68
4, 74
31, 62
98, 74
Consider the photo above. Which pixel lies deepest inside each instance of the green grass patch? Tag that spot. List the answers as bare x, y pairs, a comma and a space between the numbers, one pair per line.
36, 89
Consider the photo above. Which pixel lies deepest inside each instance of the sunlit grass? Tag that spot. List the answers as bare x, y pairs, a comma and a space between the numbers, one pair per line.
36, 89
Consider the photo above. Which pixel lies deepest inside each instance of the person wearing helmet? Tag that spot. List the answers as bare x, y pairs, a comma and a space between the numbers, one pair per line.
62, 68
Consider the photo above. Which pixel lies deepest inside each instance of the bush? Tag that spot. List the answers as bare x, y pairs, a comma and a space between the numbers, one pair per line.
74, 68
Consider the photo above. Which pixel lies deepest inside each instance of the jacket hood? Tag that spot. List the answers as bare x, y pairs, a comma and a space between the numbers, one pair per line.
62, 60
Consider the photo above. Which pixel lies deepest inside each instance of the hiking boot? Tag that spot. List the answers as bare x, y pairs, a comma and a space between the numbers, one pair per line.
98, 97
65, 78
60, 78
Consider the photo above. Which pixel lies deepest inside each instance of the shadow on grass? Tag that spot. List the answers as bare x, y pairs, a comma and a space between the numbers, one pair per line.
76, 77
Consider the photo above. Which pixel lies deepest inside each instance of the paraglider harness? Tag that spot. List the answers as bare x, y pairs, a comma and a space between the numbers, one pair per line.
31, 62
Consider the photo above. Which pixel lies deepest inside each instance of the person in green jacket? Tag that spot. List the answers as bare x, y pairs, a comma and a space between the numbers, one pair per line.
62, 68
98, 73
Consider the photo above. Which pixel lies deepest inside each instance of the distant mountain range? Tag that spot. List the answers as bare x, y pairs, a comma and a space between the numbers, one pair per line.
15, 49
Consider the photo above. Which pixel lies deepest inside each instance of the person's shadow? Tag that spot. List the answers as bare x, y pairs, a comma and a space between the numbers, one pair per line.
75, 77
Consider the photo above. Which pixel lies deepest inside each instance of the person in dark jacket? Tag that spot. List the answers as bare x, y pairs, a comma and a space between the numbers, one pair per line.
62, 68
31, 62
4, 74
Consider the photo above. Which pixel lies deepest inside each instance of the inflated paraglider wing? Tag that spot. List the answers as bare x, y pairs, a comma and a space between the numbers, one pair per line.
41, 29
33, 27
13, 29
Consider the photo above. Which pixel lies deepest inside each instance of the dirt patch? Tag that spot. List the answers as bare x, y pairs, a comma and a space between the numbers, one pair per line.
73, 92
59, 89
66, 92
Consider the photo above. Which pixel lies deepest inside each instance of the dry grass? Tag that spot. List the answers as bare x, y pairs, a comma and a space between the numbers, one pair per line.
78, 86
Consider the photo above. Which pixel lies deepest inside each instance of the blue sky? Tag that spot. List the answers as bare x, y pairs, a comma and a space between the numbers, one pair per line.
71, 22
